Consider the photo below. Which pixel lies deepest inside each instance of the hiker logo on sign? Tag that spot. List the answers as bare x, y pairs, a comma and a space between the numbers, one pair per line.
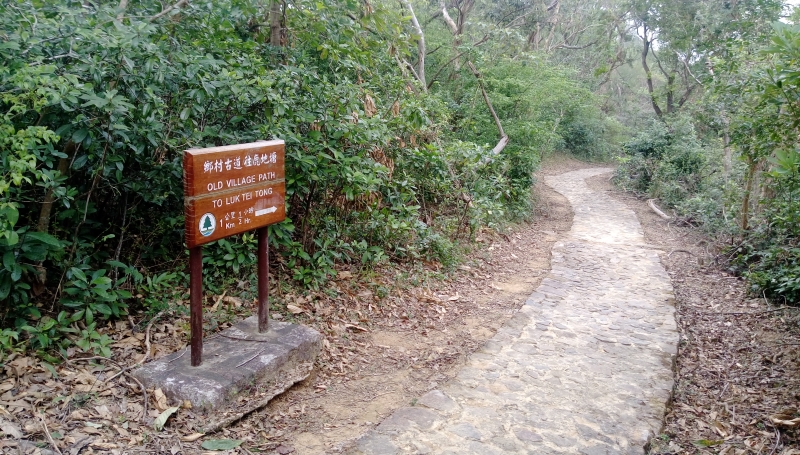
207, 224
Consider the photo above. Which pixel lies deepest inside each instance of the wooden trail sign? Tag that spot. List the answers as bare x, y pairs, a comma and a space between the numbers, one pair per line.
233, 189
229, 190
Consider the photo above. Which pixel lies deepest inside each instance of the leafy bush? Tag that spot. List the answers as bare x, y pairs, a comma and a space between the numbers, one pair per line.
666, 161
755, 202
770, 253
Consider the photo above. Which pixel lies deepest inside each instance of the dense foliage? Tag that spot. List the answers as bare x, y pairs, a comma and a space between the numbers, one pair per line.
408, 127
729, 159
98, 100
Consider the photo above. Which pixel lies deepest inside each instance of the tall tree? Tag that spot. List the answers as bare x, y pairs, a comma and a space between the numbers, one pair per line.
679, 37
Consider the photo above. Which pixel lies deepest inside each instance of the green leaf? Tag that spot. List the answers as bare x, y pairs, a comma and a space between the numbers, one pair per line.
78, 273
707, 442
80, 162
53, 373
116, 264
16, 272
221, 444
79, 136
102, 308
158, 424
9, 259
13, 238
5, 287
101, 281
43, 238
12, 215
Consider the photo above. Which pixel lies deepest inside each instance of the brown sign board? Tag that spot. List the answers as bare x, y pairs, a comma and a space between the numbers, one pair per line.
233, 189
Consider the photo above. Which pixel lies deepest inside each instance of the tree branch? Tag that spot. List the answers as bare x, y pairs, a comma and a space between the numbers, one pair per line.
123, 5
686, 96
475, 44
652, 204
658, 62
566, 46
514, 22
167, 10
686, 65
432, 18
503, 137
420, 73
434, 50
448, 20
648, 74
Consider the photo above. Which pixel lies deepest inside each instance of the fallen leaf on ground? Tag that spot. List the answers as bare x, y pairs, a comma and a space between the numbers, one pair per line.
785, 419
235, 301
192, 437
10, 429
707, 443
221, 444
355, 327
158, 424
160, 399
294, 309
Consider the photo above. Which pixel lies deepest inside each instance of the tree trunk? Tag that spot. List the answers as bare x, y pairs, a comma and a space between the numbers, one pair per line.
727, 156
420, 46
47, 208
47, 204
533, 39
751, 173
275, 29
455, 30
671, 93
649, 76
552, 22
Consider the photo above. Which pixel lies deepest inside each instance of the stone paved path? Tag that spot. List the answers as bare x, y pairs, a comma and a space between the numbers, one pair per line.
585, 367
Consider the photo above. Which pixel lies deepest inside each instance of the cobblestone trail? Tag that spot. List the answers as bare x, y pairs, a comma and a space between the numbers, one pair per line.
585, 367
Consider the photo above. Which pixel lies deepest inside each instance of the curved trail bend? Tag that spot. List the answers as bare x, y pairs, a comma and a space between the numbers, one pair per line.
584, 367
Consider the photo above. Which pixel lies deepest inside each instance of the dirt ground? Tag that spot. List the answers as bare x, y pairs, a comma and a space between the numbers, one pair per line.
393, 334
738, 366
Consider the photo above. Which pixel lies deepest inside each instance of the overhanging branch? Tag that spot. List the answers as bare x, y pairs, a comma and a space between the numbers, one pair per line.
503, 137
448, 20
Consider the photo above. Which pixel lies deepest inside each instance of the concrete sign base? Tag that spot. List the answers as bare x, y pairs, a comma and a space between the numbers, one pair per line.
236, 361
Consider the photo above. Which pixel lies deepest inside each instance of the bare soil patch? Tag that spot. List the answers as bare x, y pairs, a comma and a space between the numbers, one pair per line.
390, 336
738, 366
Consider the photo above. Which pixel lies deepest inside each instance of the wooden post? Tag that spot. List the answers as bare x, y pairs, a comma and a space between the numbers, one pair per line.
229, 190
263, 280
196, 303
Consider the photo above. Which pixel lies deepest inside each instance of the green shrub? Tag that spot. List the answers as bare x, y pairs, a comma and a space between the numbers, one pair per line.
665, 161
